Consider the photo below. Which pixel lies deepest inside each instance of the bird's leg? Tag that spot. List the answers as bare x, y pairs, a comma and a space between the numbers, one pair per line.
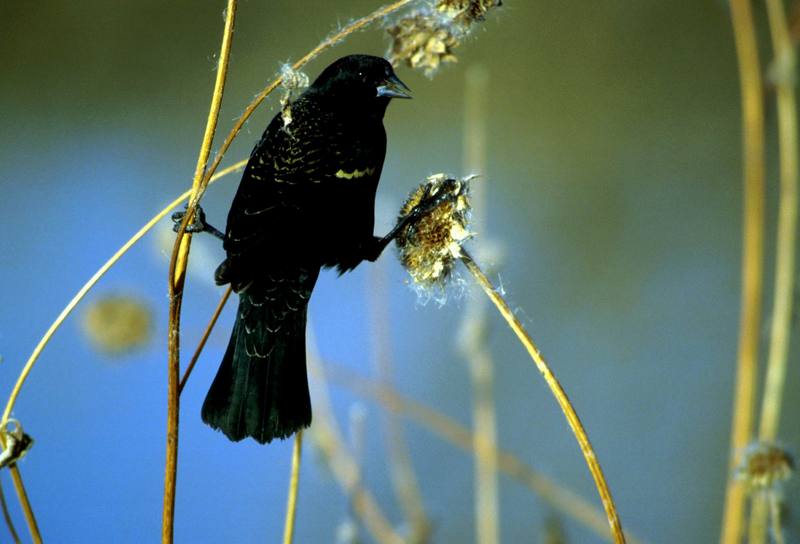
199, 223
425, 206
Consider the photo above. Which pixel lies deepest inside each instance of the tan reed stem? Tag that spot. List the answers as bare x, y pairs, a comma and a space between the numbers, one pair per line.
7, 517
291, 501
784, 66
752, 257
202, 344
177, 277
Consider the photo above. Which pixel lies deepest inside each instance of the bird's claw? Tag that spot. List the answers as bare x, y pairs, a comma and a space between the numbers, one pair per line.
428, 202
197, 225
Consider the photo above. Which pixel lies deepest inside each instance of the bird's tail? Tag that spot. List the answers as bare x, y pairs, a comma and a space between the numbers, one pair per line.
261, 387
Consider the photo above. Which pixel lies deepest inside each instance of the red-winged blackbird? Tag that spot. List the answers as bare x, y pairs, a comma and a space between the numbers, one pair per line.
306, 201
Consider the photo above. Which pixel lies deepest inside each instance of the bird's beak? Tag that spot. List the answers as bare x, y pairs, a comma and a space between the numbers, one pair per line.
392, 87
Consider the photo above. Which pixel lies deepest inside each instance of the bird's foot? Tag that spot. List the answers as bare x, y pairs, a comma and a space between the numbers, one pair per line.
198, 224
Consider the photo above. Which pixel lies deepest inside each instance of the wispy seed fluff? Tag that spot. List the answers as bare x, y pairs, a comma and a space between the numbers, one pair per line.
764, 466
426, 38
429, 246
293, 82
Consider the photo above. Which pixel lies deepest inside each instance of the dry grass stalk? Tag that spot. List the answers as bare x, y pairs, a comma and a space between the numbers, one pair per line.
177, 278
784, 67
294, 480
472, 334
752, 256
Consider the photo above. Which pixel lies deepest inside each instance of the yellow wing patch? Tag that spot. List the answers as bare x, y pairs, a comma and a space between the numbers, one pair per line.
355, 174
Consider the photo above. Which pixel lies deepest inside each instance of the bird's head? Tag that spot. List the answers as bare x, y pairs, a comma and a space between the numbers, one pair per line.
361, 81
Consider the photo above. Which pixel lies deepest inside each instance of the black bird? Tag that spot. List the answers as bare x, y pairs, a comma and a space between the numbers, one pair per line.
306, 201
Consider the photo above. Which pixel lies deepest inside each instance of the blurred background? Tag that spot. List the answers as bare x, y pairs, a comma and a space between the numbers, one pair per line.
613, 207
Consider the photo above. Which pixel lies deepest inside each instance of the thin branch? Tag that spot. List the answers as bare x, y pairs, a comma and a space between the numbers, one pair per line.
784, 65
177, 276
558, 392
7, 517
202, 344
291, 502
752, 257
559, 497
22, 495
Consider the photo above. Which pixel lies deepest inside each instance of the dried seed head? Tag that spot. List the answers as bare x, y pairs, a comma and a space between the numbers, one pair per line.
427, 37
430, 244
423, 40
468, 11
764, 466
116, 324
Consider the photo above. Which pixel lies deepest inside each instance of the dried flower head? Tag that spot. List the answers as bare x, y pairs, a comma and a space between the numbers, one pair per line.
426, 38
468, 11
423, 40
116, 324
430, 245
764, 466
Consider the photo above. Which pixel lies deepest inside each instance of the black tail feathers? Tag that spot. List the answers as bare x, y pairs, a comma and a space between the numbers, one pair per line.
261, 387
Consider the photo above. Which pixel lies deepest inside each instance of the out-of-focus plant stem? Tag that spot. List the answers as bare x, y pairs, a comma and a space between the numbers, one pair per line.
783, 71
554, 494
404, 479
177, 278
752, 257
328, 439
472, 336
7, 517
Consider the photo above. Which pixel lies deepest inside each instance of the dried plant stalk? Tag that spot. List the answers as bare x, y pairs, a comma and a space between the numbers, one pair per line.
7, 517
752, 256
294, 480
472, 336
177, 277
784, 65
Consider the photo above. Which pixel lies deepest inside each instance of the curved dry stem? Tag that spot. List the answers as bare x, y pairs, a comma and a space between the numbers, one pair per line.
291, 501
177, 277
752, 257
558, 392
784, 63
7, 516
30, 518
202, 344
